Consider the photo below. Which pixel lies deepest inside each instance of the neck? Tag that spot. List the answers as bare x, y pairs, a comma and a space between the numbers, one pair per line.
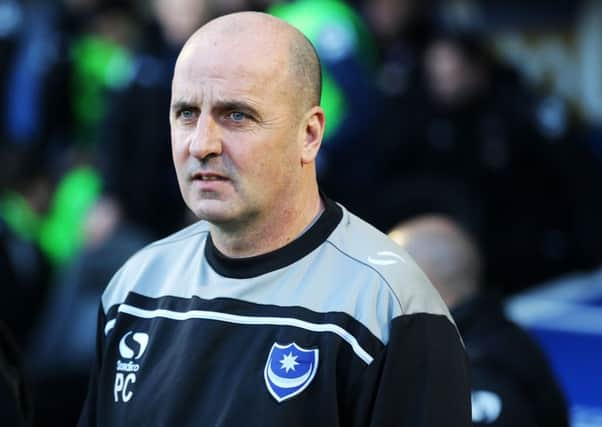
275, 230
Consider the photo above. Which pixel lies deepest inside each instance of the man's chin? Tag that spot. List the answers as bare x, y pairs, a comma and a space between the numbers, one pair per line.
214, 211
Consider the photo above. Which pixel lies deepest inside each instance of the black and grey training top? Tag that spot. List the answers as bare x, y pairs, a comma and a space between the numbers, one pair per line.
338, 328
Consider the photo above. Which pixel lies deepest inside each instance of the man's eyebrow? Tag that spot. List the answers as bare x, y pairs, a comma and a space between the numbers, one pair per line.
234, 105
222, 106
181, 105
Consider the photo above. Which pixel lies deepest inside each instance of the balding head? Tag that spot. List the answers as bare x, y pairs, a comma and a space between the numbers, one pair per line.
265, 38
446, 254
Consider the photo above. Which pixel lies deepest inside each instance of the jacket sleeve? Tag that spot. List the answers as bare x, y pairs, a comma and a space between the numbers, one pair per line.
88, 415
420, 379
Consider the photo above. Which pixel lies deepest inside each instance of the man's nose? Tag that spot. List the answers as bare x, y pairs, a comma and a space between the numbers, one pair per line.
207, 139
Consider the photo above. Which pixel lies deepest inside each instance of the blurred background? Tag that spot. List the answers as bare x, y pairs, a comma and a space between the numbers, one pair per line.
487, 112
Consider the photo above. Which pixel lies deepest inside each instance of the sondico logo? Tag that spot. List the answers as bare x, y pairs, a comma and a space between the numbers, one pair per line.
126, 370
386, 258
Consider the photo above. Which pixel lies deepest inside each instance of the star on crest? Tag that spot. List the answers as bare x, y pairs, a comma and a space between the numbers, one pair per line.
289, 362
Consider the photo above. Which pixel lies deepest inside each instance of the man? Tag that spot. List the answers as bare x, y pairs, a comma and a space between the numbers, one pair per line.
512, 382
280, 308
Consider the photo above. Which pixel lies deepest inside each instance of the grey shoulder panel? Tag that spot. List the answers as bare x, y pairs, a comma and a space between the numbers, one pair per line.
374, 250
147, 266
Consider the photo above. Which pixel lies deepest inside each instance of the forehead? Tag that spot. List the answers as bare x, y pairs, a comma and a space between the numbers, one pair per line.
232, 66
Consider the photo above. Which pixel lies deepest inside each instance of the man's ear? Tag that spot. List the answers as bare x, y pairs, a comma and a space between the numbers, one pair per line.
312, 134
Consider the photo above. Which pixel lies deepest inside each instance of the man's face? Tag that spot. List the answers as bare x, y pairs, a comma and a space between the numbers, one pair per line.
235, 131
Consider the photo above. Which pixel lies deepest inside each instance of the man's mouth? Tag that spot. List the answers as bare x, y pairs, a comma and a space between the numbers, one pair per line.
208, 177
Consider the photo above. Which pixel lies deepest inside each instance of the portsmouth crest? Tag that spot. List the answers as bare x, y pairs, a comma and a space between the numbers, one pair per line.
289, 370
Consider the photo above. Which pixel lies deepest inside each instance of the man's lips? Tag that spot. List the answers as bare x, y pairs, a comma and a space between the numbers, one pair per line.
208, 176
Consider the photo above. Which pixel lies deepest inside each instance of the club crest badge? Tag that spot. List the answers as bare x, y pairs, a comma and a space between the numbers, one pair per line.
289, 370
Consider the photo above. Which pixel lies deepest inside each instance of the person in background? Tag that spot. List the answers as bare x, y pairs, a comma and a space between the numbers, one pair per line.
402, 29
24, 268
512, 383
469, 122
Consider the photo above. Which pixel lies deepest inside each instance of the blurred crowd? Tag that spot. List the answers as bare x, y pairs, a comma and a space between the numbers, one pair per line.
422, 117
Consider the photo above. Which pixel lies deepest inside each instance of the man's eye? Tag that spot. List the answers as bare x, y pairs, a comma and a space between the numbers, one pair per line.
187, 114
237, 116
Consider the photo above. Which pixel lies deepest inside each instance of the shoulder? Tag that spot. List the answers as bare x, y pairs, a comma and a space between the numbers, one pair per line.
155, 260
394, 272
180, 237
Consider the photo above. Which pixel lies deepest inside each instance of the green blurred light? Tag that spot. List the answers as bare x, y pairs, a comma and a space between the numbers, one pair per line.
61, 233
